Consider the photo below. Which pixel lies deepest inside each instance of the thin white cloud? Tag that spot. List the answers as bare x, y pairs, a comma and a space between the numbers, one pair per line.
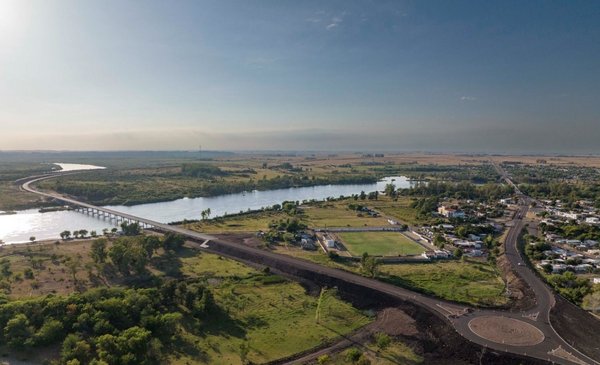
335, 21
468, 98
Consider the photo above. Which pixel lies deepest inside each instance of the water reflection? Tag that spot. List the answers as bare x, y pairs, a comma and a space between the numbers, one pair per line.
19, 227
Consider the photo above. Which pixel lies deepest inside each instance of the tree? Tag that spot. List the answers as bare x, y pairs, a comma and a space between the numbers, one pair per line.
591, 302
150, 245
65, 235
98, 251
94, 234
390, 190
50, 332
83, 233
17, 331
32, 239
75, 348
205, 214
458, 253
73, 266
369, 265
130, 229
114, 230
120, 257
173, 241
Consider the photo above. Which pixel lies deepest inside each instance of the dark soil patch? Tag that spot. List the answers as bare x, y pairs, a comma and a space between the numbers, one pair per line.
576, 326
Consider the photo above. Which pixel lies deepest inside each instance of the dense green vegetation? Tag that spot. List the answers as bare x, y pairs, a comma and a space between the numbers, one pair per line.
573, 230
568, 193
108, 326
190, 180
476, 174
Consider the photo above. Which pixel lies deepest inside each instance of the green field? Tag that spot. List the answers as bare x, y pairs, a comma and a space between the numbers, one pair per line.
462, 281
260, 310
337, 214
380, 243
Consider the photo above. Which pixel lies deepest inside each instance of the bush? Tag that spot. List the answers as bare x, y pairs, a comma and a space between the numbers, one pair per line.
352, 354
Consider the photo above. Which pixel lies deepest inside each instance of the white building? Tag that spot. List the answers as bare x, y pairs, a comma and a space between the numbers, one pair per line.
450, 212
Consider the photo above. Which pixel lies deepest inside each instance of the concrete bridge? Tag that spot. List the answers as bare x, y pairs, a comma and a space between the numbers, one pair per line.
101, 212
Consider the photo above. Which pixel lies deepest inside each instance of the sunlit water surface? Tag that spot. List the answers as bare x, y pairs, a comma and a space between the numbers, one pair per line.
20, 227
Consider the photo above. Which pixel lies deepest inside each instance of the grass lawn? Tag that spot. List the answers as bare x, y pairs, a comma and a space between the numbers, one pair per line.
462, 281
337, 214
396, 353
380, 243
468, 281
259, 311
399, 209
252, 222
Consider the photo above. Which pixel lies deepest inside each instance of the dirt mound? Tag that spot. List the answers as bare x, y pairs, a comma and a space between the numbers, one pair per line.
395, 322
522, 296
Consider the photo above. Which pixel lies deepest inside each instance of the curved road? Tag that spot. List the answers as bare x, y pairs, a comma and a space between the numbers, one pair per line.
552, 348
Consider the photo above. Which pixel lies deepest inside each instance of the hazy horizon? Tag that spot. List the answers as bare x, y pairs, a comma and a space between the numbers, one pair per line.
463, 77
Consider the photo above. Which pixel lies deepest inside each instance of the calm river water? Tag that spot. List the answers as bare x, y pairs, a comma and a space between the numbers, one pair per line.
17, 228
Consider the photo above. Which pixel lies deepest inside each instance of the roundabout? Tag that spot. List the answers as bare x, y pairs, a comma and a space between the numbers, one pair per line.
504, 330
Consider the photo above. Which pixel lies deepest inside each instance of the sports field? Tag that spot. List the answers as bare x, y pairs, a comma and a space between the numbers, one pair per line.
380, 243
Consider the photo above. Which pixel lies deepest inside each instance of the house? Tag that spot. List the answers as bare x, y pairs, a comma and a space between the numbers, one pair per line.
449, 212
595, 281
463, 244
308, 244
507, 201
568, 215
473, 237
330, 243
592, 220
558, 268
441, 254
583, 268
474, 253
392, 222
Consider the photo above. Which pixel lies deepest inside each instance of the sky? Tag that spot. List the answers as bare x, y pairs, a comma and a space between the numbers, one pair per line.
441, 76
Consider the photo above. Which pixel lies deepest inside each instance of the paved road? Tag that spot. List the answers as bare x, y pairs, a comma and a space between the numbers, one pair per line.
457, 315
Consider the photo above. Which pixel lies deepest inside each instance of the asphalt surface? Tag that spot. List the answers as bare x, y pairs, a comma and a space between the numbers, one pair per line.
456, 315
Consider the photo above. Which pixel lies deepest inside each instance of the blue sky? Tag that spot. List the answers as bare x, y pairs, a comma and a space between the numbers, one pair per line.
505, 76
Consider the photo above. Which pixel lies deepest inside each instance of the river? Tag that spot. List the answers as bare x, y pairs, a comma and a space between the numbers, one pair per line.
18, 228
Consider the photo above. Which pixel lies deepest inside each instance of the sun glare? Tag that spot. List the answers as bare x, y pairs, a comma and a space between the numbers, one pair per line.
9, 16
